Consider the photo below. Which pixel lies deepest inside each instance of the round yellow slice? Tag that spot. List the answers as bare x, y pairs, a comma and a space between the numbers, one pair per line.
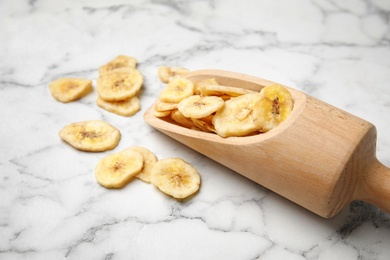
119, 84
70, 89
119, 61
235, 119
197, 106
176, 90
178, 117
175, 177
126, 107
273, 107
149, 160
166, 73
91, 136
116, 170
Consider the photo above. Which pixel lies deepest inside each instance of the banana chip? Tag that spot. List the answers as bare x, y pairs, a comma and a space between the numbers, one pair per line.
162, 106
176, 90
219, 90
116, 170
166, 74
204, 82
91, 136
120, 61
178, 117
70, 89
175, 177
149, 159
204, 124
197, 106
273, 107
126, 107
161, 114
119, 84
235, 119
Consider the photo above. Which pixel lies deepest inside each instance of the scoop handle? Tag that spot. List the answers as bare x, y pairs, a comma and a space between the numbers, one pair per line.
375, 186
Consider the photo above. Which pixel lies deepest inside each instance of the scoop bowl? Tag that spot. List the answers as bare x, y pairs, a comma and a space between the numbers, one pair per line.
320, 157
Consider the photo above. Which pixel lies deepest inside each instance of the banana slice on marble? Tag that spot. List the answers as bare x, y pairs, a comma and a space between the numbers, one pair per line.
116, 170
197, 106
176, 90
119, 84
91, 136
166, 73
175, 177
234, 118
126, 107
70, 89
119, 61
149, 160
273, 107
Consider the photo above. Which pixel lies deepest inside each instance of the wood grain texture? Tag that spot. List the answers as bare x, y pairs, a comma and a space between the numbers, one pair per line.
320, 157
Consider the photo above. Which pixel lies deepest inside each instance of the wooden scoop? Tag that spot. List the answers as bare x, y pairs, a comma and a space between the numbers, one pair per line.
320, 157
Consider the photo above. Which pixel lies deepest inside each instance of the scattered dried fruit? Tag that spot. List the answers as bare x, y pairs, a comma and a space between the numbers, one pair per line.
70, 89
116, 170
175, 177
91, 136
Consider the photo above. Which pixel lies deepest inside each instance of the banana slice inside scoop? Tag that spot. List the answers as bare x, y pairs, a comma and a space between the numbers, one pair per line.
274, 106
235, 119
177, 90
197, 106
167, 73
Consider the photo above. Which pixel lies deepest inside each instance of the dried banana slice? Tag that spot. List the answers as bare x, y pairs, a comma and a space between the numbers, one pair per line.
175, 177
205, 124
177, 90
164, 106
118, 62
198, 85
235, 119
196, 106
178, 117
219, 90
116, 170
119, 84
126, 107
161, 113
273, 107
149, 159
91, 136
70, 89
166, 74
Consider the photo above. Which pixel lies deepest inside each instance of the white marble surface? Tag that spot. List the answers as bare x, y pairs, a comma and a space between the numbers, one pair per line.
51, 206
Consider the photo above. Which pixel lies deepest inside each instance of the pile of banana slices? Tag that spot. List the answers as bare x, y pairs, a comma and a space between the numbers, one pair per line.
118, 85
173, 176
224, 110
204, 106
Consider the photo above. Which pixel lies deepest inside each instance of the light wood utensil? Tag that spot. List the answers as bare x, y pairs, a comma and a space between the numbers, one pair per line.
320, 157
